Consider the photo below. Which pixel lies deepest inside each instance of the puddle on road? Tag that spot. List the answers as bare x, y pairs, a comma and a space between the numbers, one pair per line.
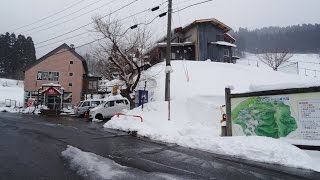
92, 166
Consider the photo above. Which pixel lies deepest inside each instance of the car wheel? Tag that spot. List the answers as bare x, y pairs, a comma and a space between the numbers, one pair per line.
99, 116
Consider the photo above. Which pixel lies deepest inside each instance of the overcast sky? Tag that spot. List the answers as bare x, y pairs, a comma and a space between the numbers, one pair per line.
235, 13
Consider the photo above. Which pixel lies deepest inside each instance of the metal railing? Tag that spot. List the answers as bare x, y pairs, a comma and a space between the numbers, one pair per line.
295, 65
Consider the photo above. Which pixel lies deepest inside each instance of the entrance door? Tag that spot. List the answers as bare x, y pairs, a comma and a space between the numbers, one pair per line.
54, 102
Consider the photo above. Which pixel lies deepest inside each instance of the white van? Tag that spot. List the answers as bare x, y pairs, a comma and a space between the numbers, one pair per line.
109, 108
85, 105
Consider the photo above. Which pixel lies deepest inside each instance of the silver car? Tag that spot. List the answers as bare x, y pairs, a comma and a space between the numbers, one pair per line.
86, 105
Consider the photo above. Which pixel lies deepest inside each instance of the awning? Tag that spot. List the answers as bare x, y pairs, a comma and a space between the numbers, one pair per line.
51, 91
224, 43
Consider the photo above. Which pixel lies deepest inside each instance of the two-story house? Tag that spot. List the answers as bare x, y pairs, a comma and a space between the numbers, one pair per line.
62, 66
201, 40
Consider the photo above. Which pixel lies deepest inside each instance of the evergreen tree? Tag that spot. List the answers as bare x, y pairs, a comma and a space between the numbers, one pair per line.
16, 53
303, 38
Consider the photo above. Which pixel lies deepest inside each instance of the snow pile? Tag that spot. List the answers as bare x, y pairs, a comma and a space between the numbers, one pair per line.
11, 90
10, 109
157, 126
254, 148
106, 85
197, 94
92, 166
316, 159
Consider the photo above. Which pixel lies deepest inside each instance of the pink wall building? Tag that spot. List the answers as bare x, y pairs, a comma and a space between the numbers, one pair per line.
62, 66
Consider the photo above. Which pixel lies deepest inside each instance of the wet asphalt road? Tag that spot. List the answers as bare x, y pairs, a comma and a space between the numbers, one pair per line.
31, 146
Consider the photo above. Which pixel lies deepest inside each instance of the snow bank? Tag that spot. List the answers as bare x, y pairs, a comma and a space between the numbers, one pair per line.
197, 94
13, 93
185, 121
92, 166
10, 109
316, 159
262, 149
203, 134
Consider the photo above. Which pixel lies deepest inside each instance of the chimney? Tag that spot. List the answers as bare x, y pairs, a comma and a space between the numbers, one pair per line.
72, 46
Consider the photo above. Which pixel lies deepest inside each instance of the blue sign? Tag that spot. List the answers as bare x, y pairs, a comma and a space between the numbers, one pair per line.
143, 97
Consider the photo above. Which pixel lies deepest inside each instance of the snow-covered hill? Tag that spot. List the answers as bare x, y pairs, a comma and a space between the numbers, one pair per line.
308, 64
197, 93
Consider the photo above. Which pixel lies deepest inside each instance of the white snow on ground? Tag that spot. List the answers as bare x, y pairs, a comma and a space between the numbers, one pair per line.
13, 90
308, 64
92, 166
10, 109
316, 159
197, 93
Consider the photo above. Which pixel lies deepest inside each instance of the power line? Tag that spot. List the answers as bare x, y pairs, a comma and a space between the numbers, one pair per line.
138, 13
88, 23
202, 2
55, 25
61, 40
67, 8
78, 46
132, 27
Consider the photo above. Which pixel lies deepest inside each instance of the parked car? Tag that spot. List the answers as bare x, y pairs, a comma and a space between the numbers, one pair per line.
109, 108
86, 105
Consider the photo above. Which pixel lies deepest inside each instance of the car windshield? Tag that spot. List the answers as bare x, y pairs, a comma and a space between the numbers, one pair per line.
79, 104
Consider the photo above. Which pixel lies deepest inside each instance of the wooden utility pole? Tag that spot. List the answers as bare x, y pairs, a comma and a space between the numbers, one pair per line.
168, 53
168, 58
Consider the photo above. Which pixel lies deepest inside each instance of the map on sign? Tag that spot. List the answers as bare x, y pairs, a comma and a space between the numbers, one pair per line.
295, 117
264, 116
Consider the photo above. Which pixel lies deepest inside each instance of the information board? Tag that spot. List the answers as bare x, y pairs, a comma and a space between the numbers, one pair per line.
293, 117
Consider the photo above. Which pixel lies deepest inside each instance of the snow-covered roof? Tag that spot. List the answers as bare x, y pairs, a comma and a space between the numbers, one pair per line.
224, 43
51, 85
114, 97
162, 44
227, 35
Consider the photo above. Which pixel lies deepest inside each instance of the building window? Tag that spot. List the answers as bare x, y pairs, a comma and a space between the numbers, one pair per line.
70, 84
93, 85
226, 52
71, 62
70, 74
47, 76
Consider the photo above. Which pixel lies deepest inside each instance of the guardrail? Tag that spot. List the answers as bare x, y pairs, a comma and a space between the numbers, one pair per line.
122, 114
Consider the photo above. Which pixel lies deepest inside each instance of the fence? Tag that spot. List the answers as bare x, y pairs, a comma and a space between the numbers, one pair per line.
10, 103
291, 114
295, 67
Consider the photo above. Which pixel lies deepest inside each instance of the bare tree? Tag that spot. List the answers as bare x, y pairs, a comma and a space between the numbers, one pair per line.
122, 51
275, 58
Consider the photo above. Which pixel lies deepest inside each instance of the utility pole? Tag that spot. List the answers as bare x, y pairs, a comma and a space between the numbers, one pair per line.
168, 53
168, 58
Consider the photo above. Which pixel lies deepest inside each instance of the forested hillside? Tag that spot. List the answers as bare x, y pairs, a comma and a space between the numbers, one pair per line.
298, 39
16, 52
